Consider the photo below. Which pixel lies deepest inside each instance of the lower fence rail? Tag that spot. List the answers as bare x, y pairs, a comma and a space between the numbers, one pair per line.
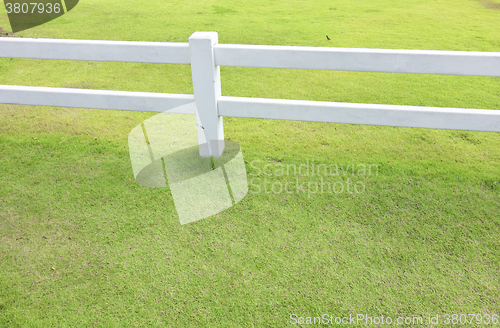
279, 109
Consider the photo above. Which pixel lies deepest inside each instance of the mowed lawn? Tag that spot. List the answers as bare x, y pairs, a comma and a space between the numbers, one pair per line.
418, 235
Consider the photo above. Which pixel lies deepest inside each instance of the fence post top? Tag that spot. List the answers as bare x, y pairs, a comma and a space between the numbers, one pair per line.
214, 36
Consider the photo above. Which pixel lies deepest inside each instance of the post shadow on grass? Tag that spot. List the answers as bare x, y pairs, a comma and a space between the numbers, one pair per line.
165, 150
25, 14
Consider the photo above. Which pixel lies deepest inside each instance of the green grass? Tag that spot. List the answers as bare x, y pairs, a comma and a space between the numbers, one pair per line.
81, 244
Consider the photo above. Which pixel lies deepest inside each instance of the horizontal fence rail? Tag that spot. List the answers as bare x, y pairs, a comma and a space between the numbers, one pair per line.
315, 58
365, 60
389, 115
205, 56
102, 99
96, 50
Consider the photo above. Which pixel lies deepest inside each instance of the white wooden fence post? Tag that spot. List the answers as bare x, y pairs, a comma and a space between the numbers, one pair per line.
207, 90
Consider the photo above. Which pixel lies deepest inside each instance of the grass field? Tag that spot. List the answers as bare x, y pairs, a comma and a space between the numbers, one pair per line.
82, 245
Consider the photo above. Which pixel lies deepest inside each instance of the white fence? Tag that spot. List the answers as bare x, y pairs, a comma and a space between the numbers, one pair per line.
205, 56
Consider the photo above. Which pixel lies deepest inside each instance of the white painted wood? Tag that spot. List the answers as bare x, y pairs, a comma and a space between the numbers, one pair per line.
103, 99
207, 90
358, 59
206, 56
96, 50
389, 115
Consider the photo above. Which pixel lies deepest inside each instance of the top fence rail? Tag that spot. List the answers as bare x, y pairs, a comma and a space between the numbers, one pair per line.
315, 58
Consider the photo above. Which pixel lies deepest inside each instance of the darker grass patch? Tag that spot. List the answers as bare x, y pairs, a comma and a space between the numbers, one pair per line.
4, 33
464, 135
490, 4
491, 184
